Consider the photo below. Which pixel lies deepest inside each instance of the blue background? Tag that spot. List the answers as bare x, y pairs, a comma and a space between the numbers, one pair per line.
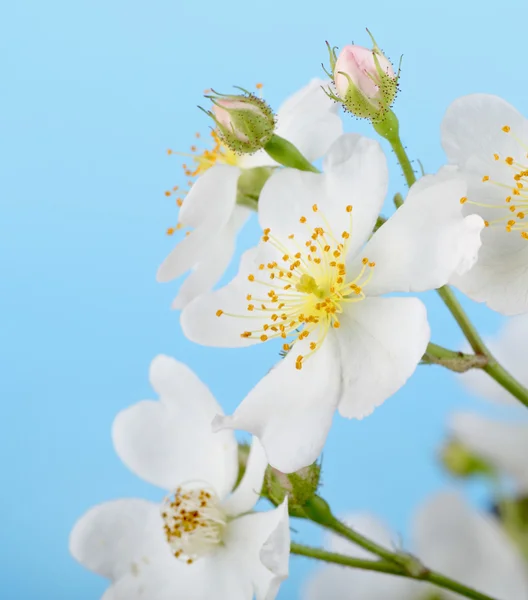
94, 92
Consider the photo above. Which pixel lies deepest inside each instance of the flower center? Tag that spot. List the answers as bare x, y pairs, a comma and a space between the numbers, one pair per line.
514, 208
194, 522
303, 292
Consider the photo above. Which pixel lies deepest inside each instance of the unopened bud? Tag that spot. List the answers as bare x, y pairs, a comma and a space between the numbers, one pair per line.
461, 462
365, 81
300, 487
245, 123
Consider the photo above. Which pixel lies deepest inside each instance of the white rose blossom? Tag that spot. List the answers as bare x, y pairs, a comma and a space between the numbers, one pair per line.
502, 444
309, 120
487, 139
202, 541
316, 281
448, 536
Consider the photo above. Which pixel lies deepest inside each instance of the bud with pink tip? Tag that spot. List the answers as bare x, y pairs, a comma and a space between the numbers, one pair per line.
365, 81
245, 123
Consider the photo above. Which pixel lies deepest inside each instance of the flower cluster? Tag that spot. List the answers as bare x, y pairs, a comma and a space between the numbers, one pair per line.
333, 286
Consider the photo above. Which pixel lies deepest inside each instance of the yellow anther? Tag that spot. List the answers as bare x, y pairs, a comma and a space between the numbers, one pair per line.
485, 178
219, 313
463, 200
506, 129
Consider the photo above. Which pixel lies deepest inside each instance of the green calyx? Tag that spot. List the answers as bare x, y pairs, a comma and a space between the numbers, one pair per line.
300, 487
461, 462
245, 123
250, 184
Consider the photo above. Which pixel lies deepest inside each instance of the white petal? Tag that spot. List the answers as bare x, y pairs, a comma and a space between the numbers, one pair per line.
210, 577
207, 273
113, 538
247, 493
170, 441
381, 342
355, 173
469, 547
472, 130
291, 410
309, 120
504, 445
426, 241
212, 198
207, 208
199, 319
335, 582
261, 543
509, 348
498, 279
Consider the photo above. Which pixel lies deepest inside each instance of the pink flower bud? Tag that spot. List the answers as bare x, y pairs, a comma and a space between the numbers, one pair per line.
359, 64
364, 80
245, 123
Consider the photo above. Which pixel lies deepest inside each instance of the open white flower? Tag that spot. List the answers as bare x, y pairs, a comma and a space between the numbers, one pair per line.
488, 140
309, 120
502, 444
202, 541
450, 537
509, 347
314, 283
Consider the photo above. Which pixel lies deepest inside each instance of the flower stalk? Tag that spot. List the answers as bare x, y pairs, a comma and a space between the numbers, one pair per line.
395, 563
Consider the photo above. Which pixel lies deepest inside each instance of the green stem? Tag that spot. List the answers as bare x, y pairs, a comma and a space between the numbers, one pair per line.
345, 560
389, 129
286, 154
506, 380
468, 329
386, 567
455, 361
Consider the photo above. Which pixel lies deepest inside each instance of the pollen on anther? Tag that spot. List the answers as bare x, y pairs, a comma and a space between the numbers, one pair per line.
167, 193
263, 337
524, 235
337, 324
506, 128
463, 200
485, 178
509, 160
170, 231
314, 207
251, 277
349, 208
302, 220
486, 223
496, 156
219, 312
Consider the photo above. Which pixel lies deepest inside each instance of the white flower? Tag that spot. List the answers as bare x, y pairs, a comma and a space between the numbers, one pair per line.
314, 283
488, 140
309, 120
201, 542
509, 348
502, 444
449, 537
